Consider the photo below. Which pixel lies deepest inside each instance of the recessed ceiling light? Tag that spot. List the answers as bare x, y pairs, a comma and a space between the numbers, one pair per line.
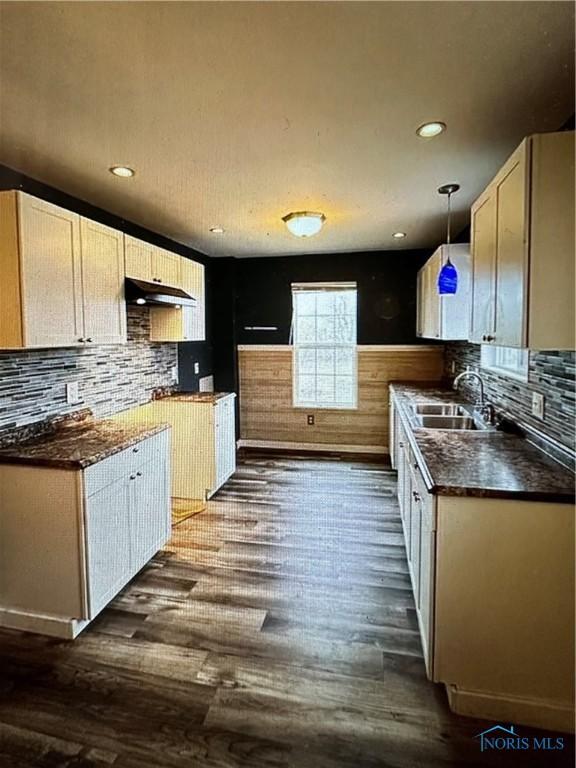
217, 230
399, 235
122, 170
428, 130
304, 223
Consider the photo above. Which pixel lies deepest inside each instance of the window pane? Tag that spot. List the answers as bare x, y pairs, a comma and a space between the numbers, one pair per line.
345, 359
305, 331
345, 390
345, 330
325, 329
325, 389
306, 388
325, 303
306, 361
305, 303
326, 361
345, 303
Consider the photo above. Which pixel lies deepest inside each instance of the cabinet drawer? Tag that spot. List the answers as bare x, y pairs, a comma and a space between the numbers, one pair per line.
109, 470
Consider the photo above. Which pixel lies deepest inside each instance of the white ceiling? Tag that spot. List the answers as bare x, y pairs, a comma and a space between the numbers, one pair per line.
234, 114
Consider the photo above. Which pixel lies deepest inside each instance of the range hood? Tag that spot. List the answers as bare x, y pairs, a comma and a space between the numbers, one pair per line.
157, 294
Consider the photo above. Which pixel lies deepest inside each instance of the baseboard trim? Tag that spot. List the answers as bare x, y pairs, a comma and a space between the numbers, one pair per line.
320, 447
539, 713
54, 626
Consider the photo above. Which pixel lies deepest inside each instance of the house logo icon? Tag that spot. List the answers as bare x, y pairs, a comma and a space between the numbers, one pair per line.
501, 737
498, 733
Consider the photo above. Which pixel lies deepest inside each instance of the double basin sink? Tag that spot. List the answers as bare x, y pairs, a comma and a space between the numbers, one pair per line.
446, 416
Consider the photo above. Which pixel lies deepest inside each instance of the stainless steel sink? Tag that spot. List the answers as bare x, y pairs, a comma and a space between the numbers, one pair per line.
446, 422
439, 409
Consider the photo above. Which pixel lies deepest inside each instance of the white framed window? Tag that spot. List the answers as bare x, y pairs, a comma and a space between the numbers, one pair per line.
507, 361
324, 361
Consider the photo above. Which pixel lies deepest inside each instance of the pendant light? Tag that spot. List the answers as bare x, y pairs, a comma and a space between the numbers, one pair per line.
448, 276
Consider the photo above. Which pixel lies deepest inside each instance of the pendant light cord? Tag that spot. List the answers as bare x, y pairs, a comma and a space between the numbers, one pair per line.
449, 213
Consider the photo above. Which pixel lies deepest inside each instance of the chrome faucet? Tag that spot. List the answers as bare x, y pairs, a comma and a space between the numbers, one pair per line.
486, 409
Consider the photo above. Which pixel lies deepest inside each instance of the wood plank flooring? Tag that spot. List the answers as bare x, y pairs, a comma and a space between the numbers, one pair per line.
277, 630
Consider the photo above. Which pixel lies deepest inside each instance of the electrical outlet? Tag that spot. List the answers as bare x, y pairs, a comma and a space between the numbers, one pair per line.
73, 393
174, 373
310, 419
196, 368
538, 405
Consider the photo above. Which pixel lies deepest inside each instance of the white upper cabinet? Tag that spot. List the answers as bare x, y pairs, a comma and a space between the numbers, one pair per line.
166, 267
138, 258
102, 283
186, 323
62, 277
523, 249
444, 317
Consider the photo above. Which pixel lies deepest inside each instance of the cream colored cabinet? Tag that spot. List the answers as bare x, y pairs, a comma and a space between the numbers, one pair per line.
203, 441
104, 306
182, 323
138, 258
523, 249
147, 262
444, 317
70, 540
62, 277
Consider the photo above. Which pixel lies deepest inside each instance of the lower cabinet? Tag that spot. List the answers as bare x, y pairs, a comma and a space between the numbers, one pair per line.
70, 540
203, 441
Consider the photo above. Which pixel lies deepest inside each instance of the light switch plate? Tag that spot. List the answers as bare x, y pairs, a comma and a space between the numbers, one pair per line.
538, 405
196, 368
73, 393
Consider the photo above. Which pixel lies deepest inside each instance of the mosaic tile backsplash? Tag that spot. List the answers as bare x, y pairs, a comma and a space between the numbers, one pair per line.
550, 373
111, 377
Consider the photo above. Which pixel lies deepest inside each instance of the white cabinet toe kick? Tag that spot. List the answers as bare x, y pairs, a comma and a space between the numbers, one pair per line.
493, 583
70, 540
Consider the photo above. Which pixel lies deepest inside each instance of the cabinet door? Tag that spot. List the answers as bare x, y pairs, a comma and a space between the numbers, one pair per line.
50, 274
103, 283
225, 440
430, 299
149, 510
484, 223
138, 258
415, 534
165, 267
107, 543
420, 303
425, 606
511, 251
192, 276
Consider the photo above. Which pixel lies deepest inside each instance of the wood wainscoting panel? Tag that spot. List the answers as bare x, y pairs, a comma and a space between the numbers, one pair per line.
267, 413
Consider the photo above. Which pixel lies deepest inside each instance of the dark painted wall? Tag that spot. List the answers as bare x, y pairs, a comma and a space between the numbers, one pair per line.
188, 353
386, 293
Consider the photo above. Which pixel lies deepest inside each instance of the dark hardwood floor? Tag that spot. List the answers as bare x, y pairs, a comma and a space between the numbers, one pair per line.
277, 630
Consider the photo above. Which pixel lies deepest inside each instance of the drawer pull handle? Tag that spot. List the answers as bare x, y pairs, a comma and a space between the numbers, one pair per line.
132, 477
415, 465
138, 474
416, 496
136, 450
81, 340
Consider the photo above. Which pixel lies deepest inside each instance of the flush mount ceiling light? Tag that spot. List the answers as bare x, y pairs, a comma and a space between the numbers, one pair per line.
122, 170
448, 276
399, 235
429, 130
304, 223
217, 230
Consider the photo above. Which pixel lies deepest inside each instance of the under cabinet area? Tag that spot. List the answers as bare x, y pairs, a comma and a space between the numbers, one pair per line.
182, 323
71, 539
444, 317
62, 277
523, 249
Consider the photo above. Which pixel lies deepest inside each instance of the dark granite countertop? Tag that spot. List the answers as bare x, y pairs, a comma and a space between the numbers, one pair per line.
76, 444
479, 463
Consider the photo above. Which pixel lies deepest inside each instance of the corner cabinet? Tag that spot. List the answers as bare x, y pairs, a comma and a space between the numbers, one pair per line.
203, 441
62, 277
184, 323
70, 540
444, 317
523, 249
